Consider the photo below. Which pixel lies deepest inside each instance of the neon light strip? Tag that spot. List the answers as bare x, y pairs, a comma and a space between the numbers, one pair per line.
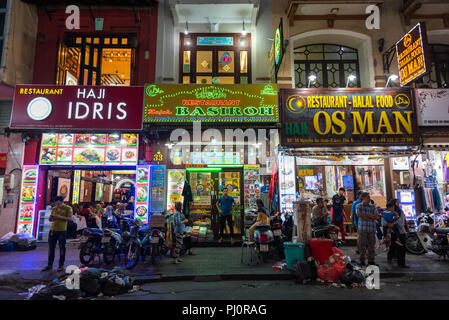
31, 186
76, 187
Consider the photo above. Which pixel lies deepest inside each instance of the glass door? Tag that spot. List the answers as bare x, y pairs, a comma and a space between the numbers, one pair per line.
232, 181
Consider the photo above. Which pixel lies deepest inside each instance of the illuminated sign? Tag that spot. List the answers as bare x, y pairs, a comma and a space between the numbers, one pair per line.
211, 103
25, 220
215, 41
89, 149
142, 193
278, 46
79, 107
413, 54
76, 186
330, 117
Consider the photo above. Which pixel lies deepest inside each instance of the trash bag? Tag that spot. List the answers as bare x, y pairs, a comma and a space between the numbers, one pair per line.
328, 274
353, 276
113, 285
25, 247
90, 281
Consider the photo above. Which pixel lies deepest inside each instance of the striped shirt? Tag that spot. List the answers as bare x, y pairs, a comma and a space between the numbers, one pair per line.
366, 225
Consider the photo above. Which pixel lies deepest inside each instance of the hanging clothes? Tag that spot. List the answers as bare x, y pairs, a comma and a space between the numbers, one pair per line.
436, 197
423, 199
188, 198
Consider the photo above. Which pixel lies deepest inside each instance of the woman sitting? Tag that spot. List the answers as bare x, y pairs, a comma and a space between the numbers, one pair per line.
262, 218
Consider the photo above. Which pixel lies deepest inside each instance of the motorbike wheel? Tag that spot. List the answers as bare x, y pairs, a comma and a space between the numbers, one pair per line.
132, 256
86, 253
413, 245
154, 253
108, 254
264, 256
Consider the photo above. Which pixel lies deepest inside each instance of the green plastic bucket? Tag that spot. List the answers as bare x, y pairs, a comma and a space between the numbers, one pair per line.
293, 251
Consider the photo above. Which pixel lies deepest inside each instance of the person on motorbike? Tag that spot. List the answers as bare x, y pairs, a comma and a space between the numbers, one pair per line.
262, 218
319, 213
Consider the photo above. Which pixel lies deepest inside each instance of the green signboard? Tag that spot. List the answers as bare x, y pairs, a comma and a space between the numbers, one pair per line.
211, 103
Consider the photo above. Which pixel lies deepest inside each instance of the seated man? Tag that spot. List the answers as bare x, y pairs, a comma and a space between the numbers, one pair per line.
262, 218
319, 213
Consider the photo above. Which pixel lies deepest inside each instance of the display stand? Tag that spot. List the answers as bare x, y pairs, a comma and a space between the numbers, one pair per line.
303, 224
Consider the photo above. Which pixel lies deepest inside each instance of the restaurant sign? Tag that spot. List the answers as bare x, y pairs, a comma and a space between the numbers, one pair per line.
351, 117
413, 54
77, 107
211, 103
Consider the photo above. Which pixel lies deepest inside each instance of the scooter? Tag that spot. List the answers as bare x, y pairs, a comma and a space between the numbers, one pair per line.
327, 231
158, 246
279, 238
427, 238
263, 237
91, 244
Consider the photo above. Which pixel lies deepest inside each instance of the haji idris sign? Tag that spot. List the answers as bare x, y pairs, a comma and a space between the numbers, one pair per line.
413, 54
347, 117
211, 103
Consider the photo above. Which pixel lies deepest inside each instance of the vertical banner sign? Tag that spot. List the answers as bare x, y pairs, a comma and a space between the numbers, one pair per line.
27, 199
175, 185
76, 186
278, 47
252, 185
157, 183
142, 191
413, 54
287, 183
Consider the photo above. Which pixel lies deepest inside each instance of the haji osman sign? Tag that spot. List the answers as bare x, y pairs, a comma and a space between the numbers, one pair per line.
211, 103
336, 117
413, 54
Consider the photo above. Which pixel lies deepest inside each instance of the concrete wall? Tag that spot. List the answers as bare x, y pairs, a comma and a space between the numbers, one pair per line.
353, 34
167, 60
18, 55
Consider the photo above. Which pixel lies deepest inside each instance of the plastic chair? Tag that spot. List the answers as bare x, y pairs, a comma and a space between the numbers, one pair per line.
251, 252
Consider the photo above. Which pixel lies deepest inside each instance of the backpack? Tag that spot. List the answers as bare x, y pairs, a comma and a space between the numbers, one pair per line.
304, 271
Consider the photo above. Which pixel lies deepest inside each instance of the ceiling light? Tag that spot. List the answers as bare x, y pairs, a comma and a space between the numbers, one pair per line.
186, 31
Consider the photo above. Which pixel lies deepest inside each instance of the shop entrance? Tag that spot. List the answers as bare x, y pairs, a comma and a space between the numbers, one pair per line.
207, 186
85, 186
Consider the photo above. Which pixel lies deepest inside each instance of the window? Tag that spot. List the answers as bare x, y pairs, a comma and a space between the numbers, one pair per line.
330, 64
439, 74
95, 60
215, 58
3, 20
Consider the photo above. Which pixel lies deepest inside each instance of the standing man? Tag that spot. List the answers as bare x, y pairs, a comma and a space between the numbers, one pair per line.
338, 216
367, 215
60, 215
354, 217
225, 206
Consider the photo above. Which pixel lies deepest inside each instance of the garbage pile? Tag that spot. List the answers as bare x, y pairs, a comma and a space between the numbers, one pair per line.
92, 283
17, 242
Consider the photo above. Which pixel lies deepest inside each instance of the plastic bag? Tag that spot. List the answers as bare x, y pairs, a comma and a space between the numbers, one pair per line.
90, 281
328, 274
114, 285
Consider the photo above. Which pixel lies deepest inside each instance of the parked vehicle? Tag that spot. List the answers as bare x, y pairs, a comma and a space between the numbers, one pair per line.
264, 239
427, 238
287, 225
327, 231
113, 245
133, 243
279, 237
158, 245
91, 244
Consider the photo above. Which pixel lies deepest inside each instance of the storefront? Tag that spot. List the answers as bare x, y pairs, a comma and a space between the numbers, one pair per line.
334, 138
233, 155
88, 151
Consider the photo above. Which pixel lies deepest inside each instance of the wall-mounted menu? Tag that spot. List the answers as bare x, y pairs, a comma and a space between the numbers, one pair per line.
252, 185
157, 186
175, 184
142, 189
27, 199
287, 183
89, 149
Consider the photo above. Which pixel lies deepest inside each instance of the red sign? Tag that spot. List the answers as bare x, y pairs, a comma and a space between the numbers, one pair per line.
2, 160
77, 107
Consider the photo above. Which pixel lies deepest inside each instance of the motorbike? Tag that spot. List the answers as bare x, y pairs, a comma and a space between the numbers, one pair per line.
158, 246
133, 244
92, 242
279, 238
113, 244
263, 237
427, 238
327, 231
287, 225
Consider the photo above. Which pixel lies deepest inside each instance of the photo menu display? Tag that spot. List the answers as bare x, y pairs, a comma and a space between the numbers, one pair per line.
27, 199
89, 149
143, 180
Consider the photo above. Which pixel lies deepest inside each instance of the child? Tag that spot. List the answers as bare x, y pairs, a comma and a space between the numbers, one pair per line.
391, 216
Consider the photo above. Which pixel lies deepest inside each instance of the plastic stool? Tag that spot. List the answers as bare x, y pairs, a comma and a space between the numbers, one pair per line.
251, 252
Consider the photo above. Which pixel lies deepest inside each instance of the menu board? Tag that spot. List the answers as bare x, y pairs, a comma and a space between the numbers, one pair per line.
252, 186
27, 199
175, 184
287, 183
76, 187
157, 186
142, 189
89, 149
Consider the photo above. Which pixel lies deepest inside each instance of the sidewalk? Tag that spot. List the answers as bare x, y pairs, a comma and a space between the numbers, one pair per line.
209, 264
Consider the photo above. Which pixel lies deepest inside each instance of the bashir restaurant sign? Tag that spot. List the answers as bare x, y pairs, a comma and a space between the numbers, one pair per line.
211, 103
77, 107
350, 117
413, 54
